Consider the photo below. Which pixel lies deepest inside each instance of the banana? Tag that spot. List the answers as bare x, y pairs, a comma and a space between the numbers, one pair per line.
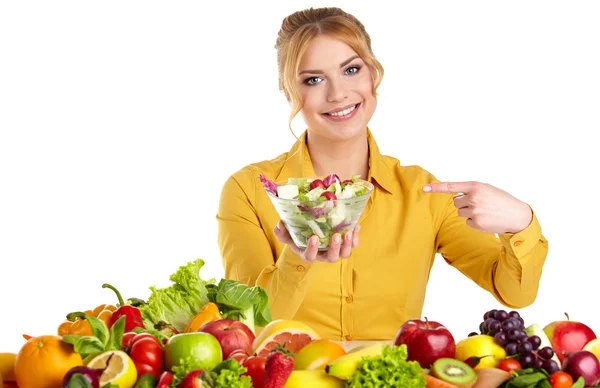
345, 366
314, 379
7, 366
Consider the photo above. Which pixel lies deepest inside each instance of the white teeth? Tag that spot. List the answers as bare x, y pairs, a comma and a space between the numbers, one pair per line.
344, 112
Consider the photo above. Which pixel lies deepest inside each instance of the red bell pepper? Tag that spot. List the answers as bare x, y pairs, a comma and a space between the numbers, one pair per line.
133, 316
165, 379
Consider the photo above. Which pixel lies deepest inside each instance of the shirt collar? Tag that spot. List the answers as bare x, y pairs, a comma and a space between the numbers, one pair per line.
299, 164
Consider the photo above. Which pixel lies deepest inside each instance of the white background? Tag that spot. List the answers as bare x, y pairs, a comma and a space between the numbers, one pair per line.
120, 121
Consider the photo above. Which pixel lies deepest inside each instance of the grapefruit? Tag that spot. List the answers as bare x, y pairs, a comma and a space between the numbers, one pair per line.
294, 335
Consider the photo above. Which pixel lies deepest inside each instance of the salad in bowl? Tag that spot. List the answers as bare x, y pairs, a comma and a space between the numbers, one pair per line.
318, 206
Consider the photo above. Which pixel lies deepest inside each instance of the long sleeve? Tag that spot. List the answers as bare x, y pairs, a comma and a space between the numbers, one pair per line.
508, 265
251, 253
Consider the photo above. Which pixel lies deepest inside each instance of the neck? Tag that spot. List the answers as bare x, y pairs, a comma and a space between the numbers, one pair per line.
344, 158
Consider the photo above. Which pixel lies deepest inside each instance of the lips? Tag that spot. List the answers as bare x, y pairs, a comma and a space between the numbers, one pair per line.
344, 113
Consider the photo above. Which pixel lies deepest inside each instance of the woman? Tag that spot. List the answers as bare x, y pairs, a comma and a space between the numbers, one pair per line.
364, 288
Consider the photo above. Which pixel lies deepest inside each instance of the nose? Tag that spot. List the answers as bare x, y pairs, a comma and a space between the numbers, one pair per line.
336, 90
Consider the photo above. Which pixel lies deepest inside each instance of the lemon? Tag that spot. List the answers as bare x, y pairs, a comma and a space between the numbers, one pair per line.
594, 347
479, 346
121, 369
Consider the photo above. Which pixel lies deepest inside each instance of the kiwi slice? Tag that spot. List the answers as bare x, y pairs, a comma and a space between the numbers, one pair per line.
453, 371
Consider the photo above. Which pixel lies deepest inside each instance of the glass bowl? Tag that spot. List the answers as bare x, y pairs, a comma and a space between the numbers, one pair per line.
323, 218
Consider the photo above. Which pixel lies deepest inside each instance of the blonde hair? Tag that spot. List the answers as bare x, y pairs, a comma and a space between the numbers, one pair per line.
300, 28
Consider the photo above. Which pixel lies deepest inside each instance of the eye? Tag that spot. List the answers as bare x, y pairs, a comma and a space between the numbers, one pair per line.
312, 80
353, 69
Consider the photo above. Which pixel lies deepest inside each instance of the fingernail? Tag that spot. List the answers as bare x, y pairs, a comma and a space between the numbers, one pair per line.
336, 238
426, 188
347, 236
357, 228
313, 242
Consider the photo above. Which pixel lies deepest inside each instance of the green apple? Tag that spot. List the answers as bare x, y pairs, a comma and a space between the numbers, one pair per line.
202, 349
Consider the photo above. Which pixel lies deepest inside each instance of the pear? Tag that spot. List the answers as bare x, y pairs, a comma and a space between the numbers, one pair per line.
345, 366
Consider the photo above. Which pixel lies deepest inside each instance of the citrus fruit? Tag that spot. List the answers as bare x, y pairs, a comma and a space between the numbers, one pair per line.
480, 346
317, 354
594, 347
7, 366
293, 334
121, 369
43, 362
203, 348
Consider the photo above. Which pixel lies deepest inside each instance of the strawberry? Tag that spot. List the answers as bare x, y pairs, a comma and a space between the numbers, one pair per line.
279, 367
193, 380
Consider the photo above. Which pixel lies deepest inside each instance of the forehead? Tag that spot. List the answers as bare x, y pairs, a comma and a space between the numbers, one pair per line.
325, 53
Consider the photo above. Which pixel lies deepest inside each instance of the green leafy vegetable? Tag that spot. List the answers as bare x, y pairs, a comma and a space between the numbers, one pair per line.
228, 374
390, 369
178, 303
250, 305
528, 378
101, 340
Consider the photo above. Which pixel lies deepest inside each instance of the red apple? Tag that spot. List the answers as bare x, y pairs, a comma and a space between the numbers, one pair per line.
568, 336
583, 363
232, 335
426, 341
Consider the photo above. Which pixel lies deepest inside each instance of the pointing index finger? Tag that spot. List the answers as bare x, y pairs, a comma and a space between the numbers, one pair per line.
448, 187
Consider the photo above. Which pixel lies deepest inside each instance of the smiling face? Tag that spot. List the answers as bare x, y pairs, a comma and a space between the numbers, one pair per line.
336, 86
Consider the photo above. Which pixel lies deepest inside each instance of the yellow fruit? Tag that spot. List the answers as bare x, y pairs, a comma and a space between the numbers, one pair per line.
480, 346
7, 366
317, 354
121, 370
294, 334
594, 347
313, 379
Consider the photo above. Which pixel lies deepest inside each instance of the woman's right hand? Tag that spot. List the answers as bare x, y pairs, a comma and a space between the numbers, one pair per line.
337, 249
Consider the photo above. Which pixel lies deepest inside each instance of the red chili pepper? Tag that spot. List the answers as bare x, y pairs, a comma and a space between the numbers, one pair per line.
165, 379
133, 317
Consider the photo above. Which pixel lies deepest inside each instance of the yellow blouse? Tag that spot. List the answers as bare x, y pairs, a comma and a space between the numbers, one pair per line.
382, 284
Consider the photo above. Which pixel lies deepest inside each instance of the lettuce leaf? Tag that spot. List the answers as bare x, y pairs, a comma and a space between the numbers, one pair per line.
390, 369
180, 302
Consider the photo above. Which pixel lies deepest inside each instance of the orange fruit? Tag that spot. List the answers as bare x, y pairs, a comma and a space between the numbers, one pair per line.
43, 362
594, 347
294, 335
317, 354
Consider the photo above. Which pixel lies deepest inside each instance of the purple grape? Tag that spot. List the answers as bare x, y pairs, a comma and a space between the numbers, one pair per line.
526, 360
537, 363
551, 366
471, 334
546, 352
523, 335
522, 321
494, 327
508, 325
511, 348
501, 315
500, 338
514, 314
525, 347
513, 335
486, 315
482, 328
535, 341
492, 313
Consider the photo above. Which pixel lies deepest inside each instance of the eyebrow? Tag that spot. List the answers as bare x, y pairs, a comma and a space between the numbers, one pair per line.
347, 61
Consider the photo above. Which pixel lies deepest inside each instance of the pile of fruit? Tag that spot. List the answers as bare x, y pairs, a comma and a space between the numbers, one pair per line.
198, 333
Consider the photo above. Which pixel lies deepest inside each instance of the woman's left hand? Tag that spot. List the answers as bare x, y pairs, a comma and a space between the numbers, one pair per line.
486, 208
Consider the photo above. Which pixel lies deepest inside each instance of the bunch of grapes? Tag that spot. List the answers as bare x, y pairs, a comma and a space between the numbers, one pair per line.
508, 330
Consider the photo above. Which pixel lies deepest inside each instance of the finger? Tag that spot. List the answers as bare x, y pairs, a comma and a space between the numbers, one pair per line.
461, 201
282, 233
346, 245
355, 236
333, 253
449, 187
310, 253
465, 212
